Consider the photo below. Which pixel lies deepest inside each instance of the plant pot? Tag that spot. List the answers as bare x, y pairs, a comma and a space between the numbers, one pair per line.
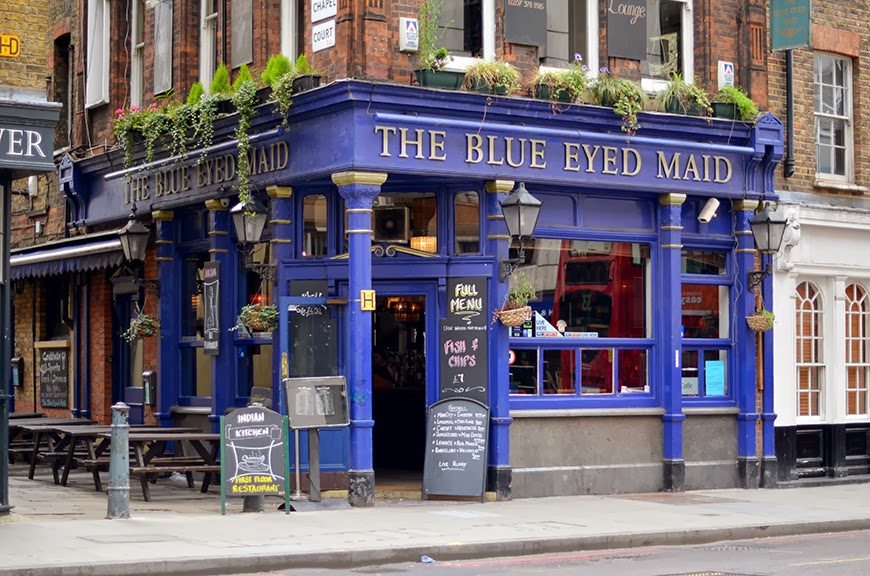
226, 106
514, 316
305, 82
759, 322
676, 107
264, 93
482, 87
543, 92
608, 102
444, 79
725, 110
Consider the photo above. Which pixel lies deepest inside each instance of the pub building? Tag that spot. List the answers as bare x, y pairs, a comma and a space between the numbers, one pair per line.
636, 359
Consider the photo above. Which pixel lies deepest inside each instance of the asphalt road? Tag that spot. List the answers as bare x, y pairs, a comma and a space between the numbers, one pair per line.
842, 554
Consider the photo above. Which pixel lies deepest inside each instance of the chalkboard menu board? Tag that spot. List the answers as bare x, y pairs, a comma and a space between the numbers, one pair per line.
525, 22
457, 434
319, 402
253, 452
54, 378
626, 30
211, 274
463, 351
313, 339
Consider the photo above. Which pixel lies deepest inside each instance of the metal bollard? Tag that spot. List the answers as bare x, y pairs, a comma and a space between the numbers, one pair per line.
119, 463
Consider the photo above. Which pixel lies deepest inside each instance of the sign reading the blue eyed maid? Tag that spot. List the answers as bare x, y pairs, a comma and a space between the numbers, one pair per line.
627, 22
525, 22
463, 352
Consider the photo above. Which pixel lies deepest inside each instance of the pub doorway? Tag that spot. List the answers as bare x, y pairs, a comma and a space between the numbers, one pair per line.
399, 392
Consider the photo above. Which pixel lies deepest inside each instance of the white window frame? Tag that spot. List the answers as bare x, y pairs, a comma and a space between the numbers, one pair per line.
137, 53
861, 363
848, 85
460, 63
97, 73
207, 44
590, 51
289, 28
818, 363
688, 51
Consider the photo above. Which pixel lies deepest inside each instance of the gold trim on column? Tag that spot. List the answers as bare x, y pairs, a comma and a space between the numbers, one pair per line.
494, 186
281, 241
346, 178
216, 205
280, 222
672, 227
743, 233
495, 217
745, 205
498, 237
359, 231
163, 242
279, 191
677, 246
747, 250
672, 199
217, 251
163, 215
218, 233
359, 210
164, 259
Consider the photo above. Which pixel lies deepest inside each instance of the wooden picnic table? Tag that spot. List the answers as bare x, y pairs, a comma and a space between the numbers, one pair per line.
18, 428
149, 457
21, 415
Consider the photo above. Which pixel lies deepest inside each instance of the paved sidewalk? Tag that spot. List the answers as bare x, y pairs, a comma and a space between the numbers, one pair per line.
55, 530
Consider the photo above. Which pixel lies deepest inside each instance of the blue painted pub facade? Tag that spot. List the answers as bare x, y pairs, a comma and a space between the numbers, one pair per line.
637, 371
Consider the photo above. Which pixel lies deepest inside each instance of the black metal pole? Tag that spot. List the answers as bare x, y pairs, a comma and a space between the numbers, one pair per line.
788, 164
5, 341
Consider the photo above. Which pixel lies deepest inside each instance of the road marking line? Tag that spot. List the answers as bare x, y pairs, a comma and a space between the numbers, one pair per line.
841, 561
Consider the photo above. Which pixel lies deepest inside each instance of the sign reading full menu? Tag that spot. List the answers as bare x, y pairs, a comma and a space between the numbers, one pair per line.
54, 378
253, 448
457, 433
463, 350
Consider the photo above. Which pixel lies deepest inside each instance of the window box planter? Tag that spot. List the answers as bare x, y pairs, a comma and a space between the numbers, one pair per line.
727, 110
305, 82
443, 79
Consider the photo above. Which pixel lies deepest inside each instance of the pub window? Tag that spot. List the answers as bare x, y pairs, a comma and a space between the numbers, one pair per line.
410, 219
60, 89
195, 365
99, 34
833, 116
466, 220
242, 38
163, 46
586, 291
669, 41
314, 226
58, 309
467, 30
291, 17
572, 28
137, 52
208, 41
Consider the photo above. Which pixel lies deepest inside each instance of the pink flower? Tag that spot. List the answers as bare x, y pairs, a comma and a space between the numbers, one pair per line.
134, 109
119, 111
153, 107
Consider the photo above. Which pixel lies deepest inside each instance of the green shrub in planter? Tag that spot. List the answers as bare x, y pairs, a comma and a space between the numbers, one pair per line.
492, 77
625, 96
738, 100
680, 97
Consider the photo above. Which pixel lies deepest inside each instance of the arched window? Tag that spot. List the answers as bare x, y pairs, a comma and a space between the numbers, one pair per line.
856, 350
808, 350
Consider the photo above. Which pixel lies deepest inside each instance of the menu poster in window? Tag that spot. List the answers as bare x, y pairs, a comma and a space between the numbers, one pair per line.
525, 22
457, 433
317, 402
626, 29
253, 449
211, 274
313, 339
463, 346
54, 378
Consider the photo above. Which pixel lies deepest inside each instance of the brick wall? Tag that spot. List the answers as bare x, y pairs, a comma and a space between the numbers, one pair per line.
839, 28
27, 19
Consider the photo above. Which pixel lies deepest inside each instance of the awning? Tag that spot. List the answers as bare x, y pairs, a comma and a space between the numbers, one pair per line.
90, 252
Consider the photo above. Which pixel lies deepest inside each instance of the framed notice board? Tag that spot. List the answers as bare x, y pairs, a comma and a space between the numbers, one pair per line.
457, 436
317, 402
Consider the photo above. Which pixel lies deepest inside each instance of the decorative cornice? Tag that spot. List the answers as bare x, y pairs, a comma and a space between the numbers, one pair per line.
672, 199
495, 186
347, 178
216, 205
279, 191
745, 205
163, 215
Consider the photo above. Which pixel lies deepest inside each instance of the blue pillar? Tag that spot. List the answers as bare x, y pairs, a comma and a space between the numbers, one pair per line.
747, 461
168, 272
359, 190
223, 373
281, 225
768, 458
670, 339
498, 242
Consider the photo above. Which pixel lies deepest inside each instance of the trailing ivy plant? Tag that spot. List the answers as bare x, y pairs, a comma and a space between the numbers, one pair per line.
243, 76
129, 123
282, 92
244, 99
182, 118
203, 129
157, 125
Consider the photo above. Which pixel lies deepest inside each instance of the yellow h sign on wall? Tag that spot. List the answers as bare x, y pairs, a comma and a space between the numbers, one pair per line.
367, 300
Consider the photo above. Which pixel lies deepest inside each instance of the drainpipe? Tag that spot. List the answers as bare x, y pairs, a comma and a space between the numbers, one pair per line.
788, 164
77, 375
33, 341
86, 321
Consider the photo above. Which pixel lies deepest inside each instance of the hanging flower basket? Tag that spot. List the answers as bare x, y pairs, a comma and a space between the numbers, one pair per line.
513, 316
142, 326
259, 317
761, 321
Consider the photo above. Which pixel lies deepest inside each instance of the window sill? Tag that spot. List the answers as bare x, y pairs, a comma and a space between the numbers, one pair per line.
711, 411
838, 186
586, 412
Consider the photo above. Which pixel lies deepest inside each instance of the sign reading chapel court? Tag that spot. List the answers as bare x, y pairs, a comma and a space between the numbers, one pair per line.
54, 378
457, 432
463, 350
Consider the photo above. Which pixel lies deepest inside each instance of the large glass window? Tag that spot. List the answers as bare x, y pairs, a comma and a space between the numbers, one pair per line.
809, 363
195, 365
857, 363
405, 218
588, 295
137, 51
208, 10
466, 220
99, 35
668, 27
833, 116
572, 28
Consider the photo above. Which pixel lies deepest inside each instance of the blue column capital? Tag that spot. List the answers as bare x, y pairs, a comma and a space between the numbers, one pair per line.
672, 199
359, 189
279, 191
